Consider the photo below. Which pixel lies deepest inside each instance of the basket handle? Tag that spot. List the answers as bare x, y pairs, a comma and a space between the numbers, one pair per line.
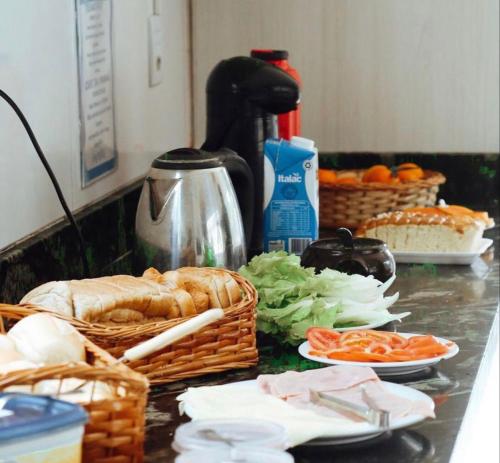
172, 335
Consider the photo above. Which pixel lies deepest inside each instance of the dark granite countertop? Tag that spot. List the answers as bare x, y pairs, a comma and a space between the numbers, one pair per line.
455, 302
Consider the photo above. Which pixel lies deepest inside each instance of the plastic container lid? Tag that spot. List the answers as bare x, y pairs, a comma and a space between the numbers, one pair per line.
236, 455
216, 434
25, 416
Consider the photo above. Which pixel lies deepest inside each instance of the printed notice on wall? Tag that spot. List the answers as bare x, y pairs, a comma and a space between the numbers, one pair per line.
95, 67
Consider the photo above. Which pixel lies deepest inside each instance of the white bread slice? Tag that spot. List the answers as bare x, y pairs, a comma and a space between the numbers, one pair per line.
200, 279
193, 280
221, 287
185, 302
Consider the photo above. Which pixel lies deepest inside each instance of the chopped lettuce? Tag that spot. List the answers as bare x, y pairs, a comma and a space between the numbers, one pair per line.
293, 298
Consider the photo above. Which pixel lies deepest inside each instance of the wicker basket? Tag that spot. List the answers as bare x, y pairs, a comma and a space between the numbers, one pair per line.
348, 205
115, 431
223, 345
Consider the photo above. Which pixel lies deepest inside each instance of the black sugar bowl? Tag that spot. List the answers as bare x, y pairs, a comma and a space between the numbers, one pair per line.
362, 256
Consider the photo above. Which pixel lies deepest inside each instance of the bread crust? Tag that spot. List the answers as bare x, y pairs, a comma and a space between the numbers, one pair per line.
458, 223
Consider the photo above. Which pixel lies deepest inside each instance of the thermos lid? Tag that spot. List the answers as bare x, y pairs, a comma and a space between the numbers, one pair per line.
187, 159
269, 55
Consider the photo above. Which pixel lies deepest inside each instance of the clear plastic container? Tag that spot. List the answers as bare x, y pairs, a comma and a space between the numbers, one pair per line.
216, 434
236, 455
36, 429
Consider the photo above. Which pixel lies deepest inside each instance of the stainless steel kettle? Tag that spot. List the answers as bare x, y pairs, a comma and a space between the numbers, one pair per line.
188, 212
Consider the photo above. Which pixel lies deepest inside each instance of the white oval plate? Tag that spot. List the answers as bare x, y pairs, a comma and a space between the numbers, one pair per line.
339, 436
446, 258
386, 368
361, 327
371, 325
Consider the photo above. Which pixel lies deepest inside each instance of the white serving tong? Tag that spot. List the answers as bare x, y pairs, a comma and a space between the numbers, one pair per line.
369, 412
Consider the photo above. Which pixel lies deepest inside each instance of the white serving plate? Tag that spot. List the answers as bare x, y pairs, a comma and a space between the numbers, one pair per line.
366, 431
450, 258
386, 368
371, 325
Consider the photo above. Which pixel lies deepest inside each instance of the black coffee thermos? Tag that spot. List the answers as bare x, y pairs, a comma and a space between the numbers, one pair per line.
243, 97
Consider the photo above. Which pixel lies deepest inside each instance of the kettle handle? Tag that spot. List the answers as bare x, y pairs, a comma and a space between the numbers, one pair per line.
243, 183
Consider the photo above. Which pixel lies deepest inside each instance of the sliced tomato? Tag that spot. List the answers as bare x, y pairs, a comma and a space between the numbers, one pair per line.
322, 338
379, 348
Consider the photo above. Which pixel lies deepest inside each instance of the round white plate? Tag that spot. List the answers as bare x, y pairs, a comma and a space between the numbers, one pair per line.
339, 436
386, 368
369, 326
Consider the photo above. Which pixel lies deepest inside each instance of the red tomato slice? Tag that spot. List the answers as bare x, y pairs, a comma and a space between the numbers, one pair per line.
322, 338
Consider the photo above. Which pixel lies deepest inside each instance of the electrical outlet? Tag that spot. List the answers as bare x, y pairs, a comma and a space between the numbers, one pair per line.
156, 58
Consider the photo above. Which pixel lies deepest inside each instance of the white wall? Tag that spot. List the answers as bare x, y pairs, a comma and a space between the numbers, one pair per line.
379, 75
38, 68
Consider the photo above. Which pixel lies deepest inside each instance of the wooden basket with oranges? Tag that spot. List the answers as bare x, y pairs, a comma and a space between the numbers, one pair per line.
349, 197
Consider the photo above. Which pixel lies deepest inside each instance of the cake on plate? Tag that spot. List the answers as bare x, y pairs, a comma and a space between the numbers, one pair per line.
455, 211
424, 232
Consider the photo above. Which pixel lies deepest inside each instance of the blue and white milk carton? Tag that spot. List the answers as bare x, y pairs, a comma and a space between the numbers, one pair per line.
291, 201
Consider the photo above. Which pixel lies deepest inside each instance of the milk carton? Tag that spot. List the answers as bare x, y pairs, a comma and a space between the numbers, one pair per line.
291, 201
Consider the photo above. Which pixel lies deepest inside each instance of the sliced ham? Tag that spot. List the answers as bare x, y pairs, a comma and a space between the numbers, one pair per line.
293, 383
341, 381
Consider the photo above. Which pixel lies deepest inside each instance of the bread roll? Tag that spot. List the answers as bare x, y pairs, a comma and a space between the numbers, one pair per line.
46, 340
8, 352
75, 390
17, 365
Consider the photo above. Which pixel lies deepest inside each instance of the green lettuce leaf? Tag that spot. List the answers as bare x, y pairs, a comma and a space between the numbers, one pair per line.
292, 298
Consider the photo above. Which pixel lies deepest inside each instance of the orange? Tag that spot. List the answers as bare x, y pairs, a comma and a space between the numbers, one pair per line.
326, 176
409, 171
378, 173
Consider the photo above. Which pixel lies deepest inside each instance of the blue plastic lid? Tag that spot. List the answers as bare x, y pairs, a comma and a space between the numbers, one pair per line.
24, 415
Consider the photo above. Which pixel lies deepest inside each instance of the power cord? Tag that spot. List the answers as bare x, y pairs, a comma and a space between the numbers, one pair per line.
62, 200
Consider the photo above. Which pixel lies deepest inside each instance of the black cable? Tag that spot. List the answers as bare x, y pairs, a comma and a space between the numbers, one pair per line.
10, 101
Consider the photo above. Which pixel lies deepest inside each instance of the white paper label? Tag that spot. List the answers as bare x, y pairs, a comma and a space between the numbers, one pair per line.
97, 125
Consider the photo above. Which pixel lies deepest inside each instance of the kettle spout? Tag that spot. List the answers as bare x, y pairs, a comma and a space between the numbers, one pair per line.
154, 201
160, 191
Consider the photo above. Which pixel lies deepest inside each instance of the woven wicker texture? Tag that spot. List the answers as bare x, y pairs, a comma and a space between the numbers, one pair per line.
115, 431
223, 345
348, 205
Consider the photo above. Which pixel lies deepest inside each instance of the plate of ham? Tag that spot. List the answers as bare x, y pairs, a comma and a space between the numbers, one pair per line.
286, 399
388, 353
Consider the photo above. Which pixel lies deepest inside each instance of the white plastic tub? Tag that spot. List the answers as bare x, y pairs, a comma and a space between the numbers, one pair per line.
38, 429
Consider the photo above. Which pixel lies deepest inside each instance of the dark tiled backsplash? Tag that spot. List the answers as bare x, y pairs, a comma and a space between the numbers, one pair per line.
108, 226
53, 254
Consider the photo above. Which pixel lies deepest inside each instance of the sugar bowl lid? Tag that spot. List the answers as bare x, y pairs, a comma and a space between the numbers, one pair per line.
347, 254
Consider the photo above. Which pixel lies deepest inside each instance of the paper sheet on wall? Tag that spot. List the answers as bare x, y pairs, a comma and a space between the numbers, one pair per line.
95, 67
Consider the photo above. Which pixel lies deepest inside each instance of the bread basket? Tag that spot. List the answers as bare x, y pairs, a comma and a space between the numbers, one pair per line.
115, 431
223, 345
348, 205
